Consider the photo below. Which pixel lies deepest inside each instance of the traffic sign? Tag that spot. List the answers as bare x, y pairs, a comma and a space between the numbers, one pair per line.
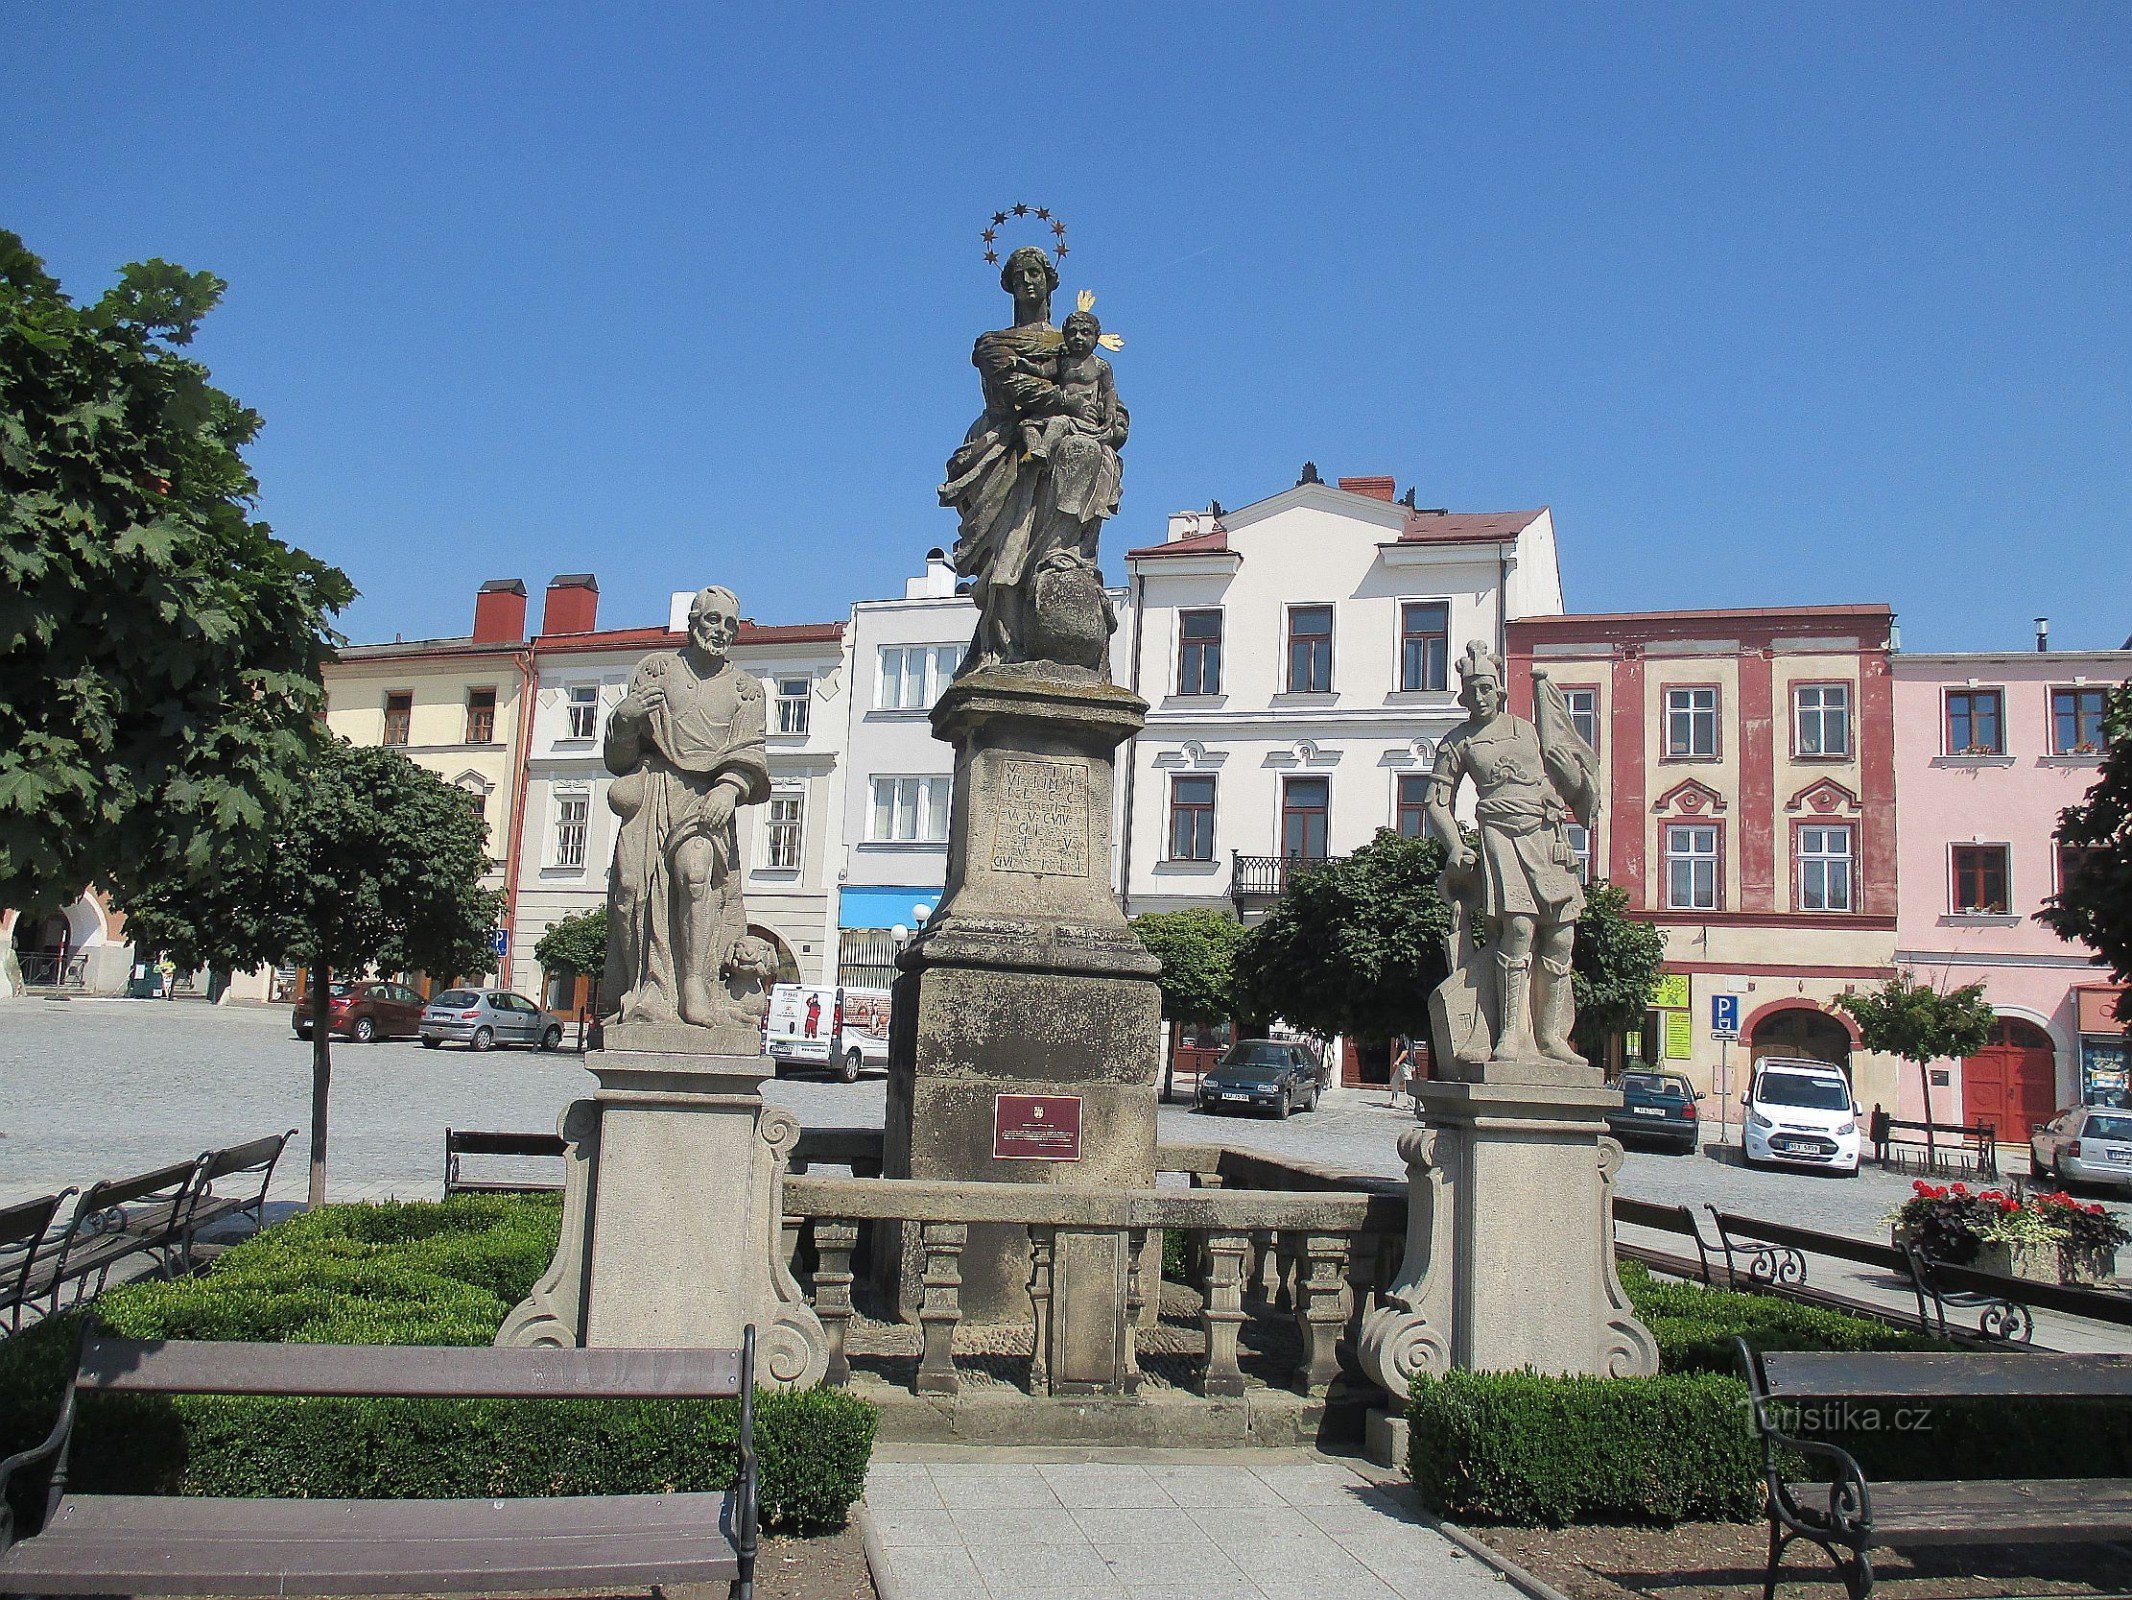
1724, 1016
500, 941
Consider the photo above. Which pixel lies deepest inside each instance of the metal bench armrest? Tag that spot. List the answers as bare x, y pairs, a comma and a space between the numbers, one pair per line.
53, 1449
747, 1508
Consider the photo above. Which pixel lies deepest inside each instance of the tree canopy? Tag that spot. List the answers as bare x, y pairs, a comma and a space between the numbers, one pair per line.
1615, 963
1921, 1024
576, 944
1197, 947
2093, 905
1355, 946
160, 649
374, 862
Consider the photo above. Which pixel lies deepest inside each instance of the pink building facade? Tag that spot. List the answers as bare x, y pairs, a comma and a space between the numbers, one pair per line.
1989, 749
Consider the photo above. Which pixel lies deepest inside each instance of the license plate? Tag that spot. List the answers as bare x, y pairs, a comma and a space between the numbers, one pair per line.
1236, 1097
2121, 1158
1794, 1146
1647, 1111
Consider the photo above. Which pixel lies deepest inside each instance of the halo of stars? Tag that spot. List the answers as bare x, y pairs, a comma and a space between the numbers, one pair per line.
1042, 214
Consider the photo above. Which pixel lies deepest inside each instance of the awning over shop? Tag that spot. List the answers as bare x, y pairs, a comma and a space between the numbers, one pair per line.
884, 906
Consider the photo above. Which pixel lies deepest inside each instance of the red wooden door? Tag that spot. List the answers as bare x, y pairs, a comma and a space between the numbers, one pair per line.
2012, 1083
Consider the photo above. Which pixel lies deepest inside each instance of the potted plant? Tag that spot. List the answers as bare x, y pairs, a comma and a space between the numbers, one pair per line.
2048, 1238
2088, 1254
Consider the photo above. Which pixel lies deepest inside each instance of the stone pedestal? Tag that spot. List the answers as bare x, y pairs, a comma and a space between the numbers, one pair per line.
1027, 981
673, 1215
1510, 1246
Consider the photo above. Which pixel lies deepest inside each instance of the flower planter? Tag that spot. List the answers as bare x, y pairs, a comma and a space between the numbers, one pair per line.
2034, 1263
2087, 1268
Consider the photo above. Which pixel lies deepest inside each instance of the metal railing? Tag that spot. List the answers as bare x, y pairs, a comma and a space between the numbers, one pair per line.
1265, 877
54, 971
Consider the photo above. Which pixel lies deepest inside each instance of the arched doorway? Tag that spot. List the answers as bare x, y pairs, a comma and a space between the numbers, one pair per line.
2012, 1083
1803, 1033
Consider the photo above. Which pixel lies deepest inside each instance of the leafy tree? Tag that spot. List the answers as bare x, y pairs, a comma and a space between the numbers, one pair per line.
1920, 1024
1197, 948
1615, 963
577, 944
1355, 946
2093, 905
159, 649
375, 862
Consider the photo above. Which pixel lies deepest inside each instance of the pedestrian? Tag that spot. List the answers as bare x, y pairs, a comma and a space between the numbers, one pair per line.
169, 970
1402, 1069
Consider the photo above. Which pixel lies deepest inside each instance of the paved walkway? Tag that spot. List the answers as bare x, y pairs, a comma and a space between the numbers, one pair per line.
954, 1523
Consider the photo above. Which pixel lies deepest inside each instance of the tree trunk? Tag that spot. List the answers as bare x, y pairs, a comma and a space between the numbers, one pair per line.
321, 1077
1924, 1073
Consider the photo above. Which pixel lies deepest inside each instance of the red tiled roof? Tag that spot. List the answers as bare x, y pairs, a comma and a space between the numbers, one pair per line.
1200, 544
1428, 527
750, 633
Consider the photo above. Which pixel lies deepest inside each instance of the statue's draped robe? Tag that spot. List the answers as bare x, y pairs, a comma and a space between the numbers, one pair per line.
1527, 866
1017, 509
705, 729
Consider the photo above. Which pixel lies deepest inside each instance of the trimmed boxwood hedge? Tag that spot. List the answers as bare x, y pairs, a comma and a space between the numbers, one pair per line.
442, 1274
1518, 1447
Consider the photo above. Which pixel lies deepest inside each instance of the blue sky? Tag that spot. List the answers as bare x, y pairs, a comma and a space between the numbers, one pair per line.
1772, 303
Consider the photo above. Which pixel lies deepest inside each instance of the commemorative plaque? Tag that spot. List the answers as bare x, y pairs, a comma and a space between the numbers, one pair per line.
1036, 1127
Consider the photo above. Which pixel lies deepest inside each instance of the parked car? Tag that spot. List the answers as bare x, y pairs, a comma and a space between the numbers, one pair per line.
1800, 1113
481, 1019
2088, 1144
1262, 1075
1659, 1106
364, 1009
824, 1025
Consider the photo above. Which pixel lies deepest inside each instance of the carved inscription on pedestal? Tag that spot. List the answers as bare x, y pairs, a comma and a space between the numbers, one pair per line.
1040, 819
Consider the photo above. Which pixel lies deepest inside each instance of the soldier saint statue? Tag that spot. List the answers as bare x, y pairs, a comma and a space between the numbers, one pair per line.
1037, 474
686, 747
1516, 898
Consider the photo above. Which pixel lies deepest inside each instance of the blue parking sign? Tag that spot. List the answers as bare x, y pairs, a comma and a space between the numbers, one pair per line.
1724, 1016
500, 941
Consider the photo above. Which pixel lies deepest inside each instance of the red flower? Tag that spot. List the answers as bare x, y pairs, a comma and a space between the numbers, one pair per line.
1961, 1192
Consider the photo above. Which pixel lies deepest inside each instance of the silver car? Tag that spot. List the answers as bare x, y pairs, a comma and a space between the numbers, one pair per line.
481, 1019
2088, 1144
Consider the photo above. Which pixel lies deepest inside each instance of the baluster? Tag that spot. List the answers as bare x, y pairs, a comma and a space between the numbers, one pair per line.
1223, 1314
1135, 1298
835, 1238
1365, 1276
1042, 1249
1261, 1267
1321, 1303
1287, 1271
941, 1308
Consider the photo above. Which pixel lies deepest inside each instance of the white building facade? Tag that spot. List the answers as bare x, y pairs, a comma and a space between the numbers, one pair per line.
1299, 660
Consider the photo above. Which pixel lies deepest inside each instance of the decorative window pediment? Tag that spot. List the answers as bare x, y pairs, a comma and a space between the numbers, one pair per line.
1690, 798
1824, 797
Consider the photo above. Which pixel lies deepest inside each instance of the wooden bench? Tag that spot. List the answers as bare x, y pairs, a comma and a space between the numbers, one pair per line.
1676, 1220
117, 1218
153, 1544
1936, 1143
205, 1208
24, 1228
1848, 1517
461, 1142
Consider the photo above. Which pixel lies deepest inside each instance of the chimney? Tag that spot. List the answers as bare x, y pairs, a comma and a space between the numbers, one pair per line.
937, 582
2043, 633
1188, 525
1376, 488
500, 611
573, 603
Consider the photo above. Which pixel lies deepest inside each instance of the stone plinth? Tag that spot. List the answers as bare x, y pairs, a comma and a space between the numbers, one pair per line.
673, 1210
1027, 981
1510, 1249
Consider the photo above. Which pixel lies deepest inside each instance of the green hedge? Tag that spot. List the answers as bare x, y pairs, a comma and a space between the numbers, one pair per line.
409, 1274
1516, 1447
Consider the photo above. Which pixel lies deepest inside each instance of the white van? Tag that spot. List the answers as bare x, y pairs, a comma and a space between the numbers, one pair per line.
1800, 1113
822, 1025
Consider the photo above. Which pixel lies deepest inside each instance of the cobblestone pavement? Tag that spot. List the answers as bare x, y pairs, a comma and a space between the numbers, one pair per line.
965, 1524
92, 1088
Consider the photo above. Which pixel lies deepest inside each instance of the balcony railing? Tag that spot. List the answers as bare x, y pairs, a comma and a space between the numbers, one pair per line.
1265, 877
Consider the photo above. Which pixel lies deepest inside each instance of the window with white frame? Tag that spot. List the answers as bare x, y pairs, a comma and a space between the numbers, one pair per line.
793, 696
1191, 817
581, 711
1424, 644
1691, 866
910, 810
786, 830
1580, 846
1825, 858
572, 815
1691, 721
1584, 713
1821, 719
1310, 649
912, 675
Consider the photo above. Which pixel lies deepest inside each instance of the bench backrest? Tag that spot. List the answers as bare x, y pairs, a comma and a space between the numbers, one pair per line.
109, 1192
1865, 1252
244, 1157
182, 1366
2074, 1302
458, 1142
1905, 1375
1647, 1214
25, 1221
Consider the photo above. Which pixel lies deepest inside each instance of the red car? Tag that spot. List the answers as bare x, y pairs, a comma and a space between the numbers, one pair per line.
365, 1010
